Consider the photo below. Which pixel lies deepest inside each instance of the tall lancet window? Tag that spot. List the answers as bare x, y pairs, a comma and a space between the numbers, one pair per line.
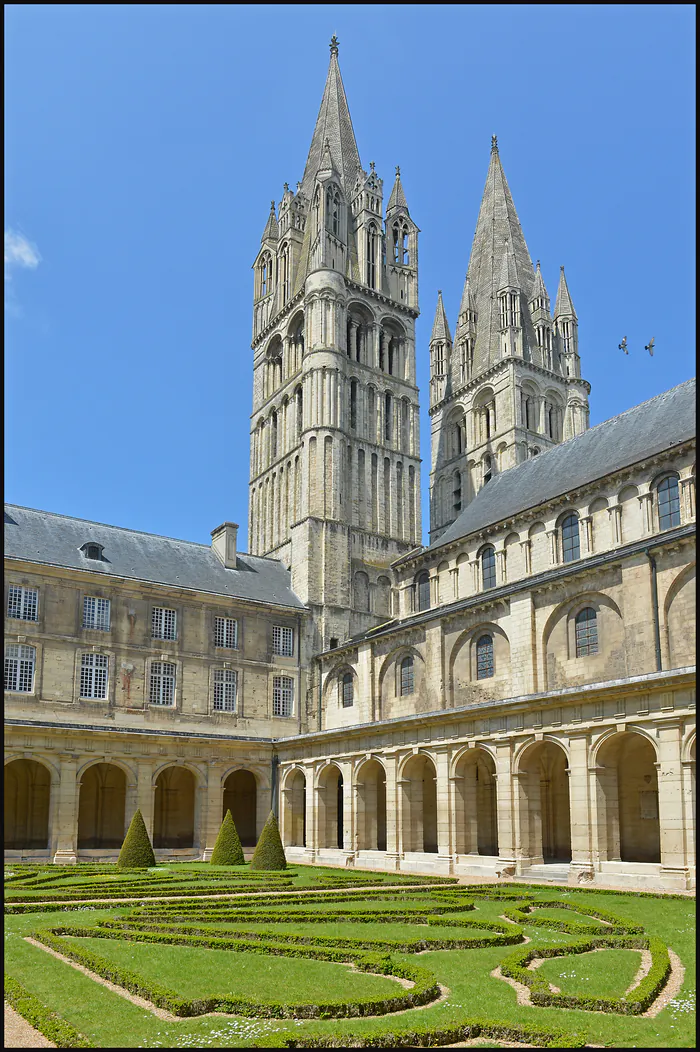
285, 275
405, 256
396, 232
372, 238
353, 405
388, 416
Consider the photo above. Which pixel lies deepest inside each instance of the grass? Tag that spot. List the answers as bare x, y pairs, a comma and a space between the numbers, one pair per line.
606, 973
110, 1021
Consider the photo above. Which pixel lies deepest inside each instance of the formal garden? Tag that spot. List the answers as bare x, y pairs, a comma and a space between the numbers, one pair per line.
262, 954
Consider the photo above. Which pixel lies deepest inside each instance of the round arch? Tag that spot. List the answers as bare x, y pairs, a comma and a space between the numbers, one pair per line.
174, 809
102, 805
27, 804
370, 802
240, 797
628, 798
543, 805
330, 796
294, 807
474, 778
418, 782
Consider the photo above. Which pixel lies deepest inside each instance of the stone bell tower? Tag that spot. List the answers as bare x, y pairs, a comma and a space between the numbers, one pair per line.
335, 469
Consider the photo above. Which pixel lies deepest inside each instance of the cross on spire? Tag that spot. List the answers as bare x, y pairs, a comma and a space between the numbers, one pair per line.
334, 45
494, 143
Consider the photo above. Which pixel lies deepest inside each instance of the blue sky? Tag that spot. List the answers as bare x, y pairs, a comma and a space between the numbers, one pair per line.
144, 144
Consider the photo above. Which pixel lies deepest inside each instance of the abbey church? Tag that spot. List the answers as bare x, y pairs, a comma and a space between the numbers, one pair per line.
516, 699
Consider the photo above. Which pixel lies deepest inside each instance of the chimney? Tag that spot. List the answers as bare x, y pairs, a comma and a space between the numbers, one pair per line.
223, 541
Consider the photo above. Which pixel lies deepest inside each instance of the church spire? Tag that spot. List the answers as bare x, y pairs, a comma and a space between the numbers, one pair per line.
334, 125
499, 253
271, 231
441, 328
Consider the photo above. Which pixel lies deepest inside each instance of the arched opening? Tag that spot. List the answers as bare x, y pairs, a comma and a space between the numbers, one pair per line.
628, 787
422, 591
545, 824
475, 804
419, 785
102, 806
173, 825
240, 798
371, 807
295, 810
330, 808
27, 799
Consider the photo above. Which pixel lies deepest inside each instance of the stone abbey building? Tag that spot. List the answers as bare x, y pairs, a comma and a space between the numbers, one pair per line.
517, 698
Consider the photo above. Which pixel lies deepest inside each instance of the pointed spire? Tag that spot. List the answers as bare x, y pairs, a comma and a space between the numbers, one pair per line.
468, 301
441, 328
540, 289
563, 304
333, 124
509, 270
271, 230
498, 235
398, 198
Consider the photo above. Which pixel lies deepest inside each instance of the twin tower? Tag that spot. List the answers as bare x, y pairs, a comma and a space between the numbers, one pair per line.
335, 451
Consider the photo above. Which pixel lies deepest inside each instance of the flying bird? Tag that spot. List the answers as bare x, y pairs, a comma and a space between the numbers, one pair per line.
623, 346
650, 346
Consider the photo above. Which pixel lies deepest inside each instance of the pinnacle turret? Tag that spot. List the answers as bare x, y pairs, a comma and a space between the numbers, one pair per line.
271, 231
563, 305
441, 328
397, 200
468, 303
509, 271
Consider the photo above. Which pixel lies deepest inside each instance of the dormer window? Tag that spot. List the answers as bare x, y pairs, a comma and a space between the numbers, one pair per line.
92, 551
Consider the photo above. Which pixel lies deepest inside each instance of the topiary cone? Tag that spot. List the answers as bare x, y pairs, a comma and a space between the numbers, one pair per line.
137, 850
269, 853
227, 849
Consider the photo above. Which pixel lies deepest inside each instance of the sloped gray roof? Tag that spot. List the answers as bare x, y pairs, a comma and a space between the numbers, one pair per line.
55, 540
649, 428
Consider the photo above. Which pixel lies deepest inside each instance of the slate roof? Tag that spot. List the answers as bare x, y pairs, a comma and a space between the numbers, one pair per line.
652, 427
55, 540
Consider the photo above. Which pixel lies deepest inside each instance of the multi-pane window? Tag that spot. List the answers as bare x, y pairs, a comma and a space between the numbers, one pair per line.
163, 623
96, 613
225, 686
586, 628
570, 545
162, 687
22, 603
423, 591
347, 690
282, 641
93, 676
484, 657
226, 632
488, 568
282, 696
406, 676
669, 503
19, 668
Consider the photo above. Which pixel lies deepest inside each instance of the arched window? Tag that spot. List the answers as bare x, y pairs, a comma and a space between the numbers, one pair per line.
405, 257
372, 255
484, 657
423, 591
488, 568
397, 241
570, 545
406, 676
273, 435
300, 412
530, 413
457, 492
353, 405
486, 469
586, 631
347, 690
669, 503
284, 266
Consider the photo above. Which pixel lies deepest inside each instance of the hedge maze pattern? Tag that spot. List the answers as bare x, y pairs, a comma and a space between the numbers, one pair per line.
364, 921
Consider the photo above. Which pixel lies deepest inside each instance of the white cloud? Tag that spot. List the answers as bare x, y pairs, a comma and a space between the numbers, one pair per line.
19, 252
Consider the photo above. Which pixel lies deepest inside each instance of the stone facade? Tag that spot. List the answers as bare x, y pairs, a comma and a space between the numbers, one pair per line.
518, 698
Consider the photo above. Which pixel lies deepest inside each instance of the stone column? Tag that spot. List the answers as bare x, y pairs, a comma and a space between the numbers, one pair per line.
526, 548
646, 503
145, 794
348, 815
66, 826
393, 813
615, 513
454, 574
444, 809
687, 494
688, 783
506, 804
552, 534
213, 808
311, 801
581, 868
673, 854
586, 534
500, 566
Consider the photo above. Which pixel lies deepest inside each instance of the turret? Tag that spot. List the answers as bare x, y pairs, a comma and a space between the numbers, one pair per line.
264, 270
329, 232
440, 353
541, 319
566, 329
510, 324
367, 212
465, 336
402, 247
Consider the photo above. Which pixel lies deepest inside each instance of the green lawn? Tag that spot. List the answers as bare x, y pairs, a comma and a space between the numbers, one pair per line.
110, 1021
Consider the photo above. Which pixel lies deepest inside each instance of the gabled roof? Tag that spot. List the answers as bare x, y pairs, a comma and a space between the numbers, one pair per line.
333, 123
652, 427
563, 303
54, 540
441, 328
